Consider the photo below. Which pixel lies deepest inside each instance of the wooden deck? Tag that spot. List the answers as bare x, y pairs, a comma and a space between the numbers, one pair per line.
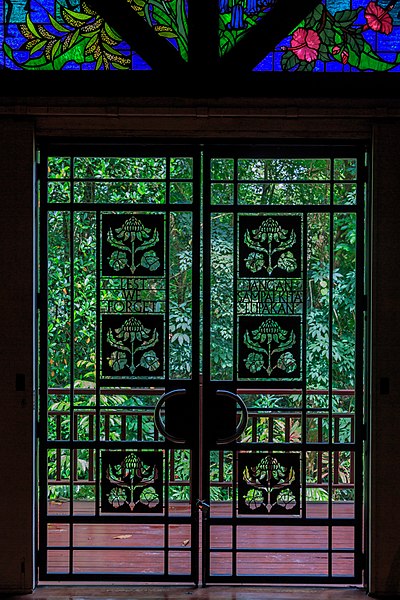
154, 549
183, 592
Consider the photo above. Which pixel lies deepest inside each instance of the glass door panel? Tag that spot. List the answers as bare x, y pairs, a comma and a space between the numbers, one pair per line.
201, 379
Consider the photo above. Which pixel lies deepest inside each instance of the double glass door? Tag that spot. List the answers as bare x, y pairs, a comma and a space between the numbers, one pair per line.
201, 363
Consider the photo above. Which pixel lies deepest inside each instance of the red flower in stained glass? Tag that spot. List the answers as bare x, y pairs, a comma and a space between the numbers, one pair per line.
345, 57
305, 44
378, 18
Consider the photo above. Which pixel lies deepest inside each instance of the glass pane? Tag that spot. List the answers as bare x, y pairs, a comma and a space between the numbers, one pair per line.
345, 168
222, 193
317, 427
180, 192
146, 192
344, 301
283, 193
343, 480
180, 303
121, 179
221, 298
124, 423
59, 191
317, 479
58, 417
84, 298
119, 168
58, 167
345, 193
284, 169
181, 167
222, 168
59, 299
318, 334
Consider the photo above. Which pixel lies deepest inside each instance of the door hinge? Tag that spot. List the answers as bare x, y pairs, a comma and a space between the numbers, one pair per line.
363, 561
365, 303
364, 431
364, 171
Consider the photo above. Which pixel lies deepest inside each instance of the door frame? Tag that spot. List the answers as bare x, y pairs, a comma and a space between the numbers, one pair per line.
206, 521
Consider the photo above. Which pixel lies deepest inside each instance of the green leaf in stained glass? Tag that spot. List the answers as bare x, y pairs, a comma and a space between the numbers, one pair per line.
60, 38
168, 18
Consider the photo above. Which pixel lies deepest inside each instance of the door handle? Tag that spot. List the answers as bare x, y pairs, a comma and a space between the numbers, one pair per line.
164, 399
243, 417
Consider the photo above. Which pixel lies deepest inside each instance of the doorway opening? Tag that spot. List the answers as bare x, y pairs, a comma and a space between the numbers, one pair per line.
202, 372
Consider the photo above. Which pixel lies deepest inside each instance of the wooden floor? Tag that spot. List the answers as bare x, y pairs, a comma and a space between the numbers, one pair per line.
108, 549
189, 592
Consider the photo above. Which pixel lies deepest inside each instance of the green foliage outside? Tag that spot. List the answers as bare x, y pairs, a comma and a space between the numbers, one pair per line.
330, 315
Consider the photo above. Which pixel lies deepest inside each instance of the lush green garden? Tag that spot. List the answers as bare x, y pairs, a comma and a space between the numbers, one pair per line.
330, 297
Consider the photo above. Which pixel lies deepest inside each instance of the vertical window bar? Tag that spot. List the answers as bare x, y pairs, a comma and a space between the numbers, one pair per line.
166, 530
331, 455
44, 346
72, 372
167, 262
359, 360
235, 272
98, 370
303, 410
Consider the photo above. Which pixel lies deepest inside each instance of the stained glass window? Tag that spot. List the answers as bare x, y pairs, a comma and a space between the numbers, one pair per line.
61, 35
341, 35
336, 35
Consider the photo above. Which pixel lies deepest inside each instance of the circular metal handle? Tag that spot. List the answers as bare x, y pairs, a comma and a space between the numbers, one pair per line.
157, 416
243, 418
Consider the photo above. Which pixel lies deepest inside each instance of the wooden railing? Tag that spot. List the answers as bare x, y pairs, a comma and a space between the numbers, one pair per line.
265, 425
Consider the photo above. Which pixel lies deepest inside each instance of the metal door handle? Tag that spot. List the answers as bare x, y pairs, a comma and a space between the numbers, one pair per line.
243, 417
157, 416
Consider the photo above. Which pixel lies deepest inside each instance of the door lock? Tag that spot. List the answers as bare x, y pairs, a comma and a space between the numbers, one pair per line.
203, 506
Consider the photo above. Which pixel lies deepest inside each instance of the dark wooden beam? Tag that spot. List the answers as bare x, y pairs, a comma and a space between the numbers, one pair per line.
203, 36
263, 37
154, 49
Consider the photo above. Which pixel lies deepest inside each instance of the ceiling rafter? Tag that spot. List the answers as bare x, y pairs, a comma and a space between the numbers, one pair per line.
203, 20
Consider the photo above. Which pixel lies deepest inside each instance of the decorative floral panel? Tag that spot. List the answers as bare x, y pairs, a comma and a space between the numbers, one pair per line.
269, 483
131, 481
270, 297
132, 295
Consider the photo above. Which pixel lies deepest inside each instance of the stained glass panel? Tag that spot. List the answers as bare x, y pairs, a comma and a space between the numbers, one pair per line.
341, 36
337, 36
55, 35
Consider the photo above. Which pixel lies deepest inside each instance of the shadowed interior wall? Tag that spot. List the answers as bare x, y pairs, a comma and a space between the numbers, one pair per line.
17, 245
17, 354
385, 417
